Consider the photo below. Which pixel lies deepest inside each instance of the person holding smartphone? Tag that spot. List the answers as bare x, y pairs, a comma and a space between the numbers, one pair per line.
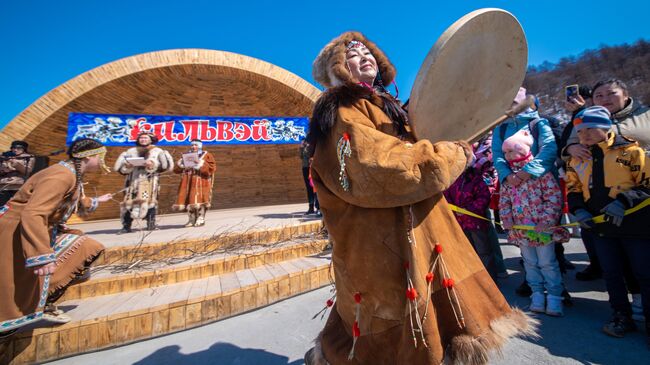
630, 119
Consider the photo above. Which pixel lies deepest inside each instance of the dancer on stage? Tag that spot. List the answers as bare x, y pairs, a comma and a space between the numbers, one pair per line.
195, 191
142, 166
39, 255
409, 287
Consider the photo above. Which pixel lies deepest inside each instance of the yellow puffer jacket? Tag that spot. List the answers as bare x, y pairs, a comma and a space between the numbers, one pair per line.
617, 170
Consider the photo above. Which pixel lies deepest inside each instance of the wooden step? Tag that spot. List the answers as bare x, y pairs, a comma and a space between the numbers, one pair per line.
117, 319
134, 251
113, 279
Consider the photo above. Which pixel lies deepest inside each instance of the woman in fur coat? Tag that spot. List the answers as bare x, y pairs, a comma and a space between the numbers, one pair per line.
195, 189
40, 255
142, 182
409, 287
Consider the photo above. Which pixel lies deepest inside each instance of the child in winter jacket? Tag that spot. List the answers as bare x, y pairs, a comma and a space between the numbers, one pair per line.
615, 179
534, 202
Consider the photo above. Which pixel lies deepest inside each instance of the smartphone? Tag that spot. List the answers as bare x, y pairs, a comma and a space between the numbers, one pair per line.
571, 91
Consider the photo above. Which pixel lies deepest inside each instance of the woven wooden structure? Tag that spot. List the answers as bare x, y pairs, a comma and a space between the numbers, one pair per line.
182, 82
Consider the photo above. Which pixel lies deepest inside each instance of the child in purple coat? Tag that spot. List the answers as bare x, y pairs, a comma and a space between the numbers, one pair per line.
471, 192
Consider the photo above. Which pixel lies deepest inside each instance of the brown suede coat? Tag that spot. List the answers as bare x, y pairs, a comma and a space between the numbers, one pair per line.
26, 227
393, 213
195, 189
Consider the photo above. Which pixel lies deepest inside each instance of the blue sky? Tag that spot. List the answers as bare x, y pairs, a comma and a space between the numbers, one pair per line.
45, 43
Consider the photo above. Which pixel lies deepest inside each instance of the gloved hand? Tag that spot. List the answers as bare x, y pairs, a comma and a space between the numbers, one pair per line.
584, 218
614, 213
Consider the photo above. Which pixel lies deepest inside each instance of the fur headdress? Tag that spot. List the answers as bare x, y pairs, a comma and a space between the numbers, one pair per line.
330, 69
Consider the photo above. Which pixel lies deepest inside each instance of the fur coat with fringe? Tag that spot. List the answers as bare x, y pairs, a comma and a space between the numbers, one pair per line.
142, 183
409, 287
195, 189
27, 228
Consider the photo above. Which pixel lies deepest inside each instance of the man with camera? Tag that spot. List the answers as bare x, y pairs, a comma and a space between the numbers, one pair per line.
15, 167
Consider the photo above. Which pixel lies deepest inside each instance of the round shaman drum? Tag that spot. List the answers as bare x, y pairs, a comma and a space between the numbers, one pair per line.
469, 77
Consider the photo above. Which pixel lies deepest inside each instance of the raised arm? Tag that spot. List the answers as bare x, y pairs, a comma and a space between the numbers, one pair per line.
498, 158
384, 171
546, 151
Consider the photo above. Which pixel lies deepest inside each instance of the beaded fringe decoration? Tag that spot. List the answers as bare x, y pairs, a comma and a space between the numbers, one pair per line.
412, 294
447, 284
343, 150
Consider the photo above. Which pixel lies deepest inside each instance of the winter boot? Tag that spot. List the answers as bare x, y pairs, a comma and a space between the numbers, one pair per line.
537, 302
200, 217
191, 214
310, 210
127, 220
151, 224
637, 308
151, 219
554, 306
619, 325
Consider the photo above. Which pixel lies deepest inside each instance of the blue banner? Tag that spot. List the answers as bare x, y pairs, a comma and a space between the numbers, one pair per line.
123, 129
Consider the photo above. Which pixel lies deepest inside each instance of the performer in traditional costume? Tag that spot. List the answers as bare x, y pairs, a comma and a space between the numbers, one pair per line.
195, 190
142, 182
39, 255
15, 167
409, 287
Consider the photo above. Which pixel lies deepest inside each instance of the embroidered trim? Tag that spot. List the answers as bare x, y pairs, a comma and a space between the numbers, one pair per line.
354, 44
67, 245
64, 241
40, 260
46, 286
68, 166
92, 152
343, 150
32, 317
21, 321
94, 203
4, 209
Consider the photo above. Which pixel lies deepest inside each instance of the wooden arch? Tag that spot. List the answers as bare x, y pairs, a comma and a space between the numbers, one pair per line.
182, 82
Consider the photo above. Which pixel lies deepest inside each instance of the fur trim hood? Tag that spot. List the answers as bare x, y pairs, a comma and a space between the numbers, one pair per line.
329, 67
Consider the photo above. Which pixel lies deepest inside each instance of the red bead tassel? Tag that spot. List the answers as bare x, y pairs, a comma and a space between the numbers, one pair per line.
429, 278
448, 284
328, 304
356, 331
412, 295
